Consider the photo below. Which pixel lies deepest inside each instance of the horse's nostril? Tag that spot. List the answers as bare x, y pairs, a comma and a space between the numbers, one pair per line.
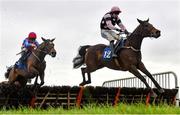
158, 32
53, 53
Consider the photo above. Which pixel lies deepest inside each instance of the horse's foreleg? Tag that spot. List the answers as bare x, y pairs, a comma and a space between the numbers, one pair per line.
142, 68
33, 71
42, 78
134, 71
35, 83
36, 79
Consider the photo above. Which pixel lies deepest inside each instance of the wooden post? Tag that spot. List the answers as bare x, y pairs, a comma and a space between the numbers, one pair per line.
68, 99
7, 99
32, 102
44, 99
107, 98
174, 100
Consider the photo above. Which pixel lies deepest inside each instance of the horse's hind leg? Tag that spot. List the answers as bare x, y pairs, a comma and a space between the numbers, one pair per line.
145, 71
22, 80
42, 78
89, 78
83, 75
84, 70
12, 76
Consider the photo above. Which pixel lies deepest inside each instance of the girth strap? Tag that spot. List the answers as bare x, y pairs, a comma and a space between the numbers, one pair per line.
130, 47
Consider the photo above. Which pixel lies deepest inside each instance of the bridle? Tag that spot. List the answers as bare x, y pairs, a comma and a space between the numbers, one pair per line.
43, 51
131, 47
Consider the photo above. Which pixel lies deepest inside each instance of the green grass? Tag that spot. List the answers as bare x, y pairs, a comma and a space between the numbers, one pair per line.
100, 109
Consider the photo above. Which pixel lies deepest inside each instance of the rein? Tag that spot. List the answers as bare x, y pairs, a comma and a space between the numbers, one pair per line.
130, 46
37, 56
42, 51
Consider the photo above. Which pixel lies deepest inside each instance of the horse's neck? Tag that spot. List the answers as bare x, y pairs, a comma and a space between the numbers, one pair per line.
135, 40
41, 55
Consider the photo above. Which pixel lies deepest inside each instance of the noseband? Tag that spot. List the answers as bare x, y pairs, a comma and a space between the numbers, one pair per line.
42, 51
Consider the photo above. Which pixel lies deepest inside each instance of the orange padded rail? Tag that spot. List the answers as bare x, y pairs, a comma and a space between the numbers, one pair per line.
117, 97
79, 97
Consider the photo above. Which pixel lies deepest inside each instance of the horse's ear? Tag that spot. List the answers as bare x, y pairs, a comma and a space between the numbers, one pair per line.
43, 39
53, 39
140, 21
147, 20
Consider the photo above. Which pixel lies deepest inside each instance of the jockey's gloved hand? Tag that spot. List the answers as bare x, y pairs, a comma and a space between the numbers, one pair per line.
33, 46
118, 30
129, 34
126, 32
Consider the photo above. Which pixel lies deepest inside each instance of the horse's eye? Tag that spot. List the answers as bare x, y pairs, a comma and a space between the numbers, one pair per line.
146, 25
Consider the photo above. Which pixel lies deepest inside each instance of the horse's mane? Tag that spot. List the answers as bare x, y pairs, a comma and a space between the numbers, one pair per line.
136, 32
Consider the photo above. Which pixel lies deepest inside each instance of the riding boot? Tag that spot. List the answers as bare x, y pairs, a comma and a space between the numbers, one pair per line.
21, 60
112, 49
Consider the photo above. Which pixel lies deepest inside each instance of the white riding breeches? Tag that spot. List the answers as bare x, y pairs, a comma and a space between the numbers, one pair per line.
109, 35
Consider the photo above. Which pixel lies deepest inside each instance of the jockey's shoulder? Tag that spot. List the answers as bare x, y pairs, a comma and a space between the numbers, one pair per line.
107, 15
26, 39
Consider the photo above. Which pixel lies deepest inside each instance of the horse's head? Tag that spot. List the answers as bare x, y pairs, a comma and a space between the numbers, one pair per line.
48, 46
148, 30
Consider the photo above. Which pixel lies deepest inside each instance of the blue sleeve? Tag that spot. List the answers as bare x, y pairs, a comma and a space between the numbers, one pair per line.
26, 43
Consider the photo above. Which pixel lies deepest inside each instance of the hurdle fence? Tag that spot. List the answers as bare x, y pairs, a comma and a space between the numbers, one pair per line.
112, 93
167, 80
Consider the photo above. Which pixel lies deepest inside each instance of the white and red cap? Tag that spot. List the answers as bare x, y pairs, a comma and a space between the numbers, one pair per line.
115, 9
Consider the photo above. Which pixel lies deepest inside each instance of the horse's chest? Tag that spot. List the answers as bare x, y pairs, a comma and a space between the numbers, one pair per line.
40, 66
133, 59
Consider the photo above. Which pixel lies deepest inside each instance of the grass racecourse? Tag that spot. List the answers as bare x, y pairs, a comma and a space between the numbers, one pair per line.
100, 109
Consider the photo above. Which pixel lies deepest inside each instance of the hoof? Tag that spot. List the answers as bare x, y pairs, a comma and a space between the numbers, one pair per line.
42, 83
161, 91
36, 86
153, 94
82, 84
87, 82
17, 84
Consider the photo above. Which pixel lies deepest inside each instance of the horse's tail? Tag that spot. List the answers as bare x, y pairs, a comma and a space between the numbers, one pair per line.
7, 72
79, 59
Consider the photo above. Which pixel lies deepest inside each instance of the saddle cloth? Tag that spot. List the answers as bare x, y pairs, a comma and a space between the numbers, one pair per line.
107, 53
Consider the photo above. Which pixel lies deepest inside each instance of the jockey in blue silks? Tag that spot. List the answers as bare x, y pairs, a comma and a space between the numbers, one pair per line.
28, 45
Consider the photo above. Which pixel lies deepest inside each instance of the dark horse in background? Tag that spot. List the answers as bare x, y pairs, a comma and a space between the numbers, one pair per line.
35, 65
129, 57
